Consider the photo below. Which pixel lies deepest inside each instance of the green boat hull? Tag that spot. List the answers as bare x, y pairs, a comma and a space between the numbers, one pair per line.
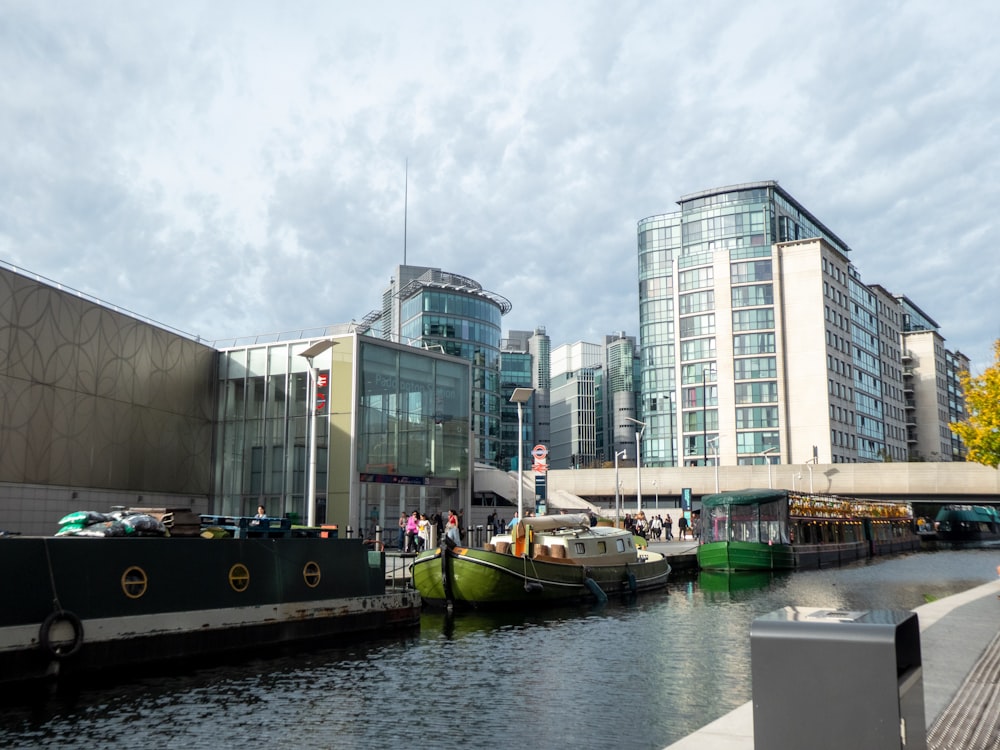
483, 578
745, 556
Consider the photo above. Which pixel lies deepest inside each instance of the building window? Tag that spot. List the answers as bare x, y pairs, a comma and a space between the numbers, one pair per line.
756, 417
697, 302
698, 325
747, 271
753, 343
756, 392
756, 368
696, 278
753, 296
749, 320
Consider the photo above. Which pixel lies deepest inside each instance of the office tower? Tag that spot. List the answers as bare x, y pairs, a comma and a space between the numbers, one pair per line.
524, 363
760, 343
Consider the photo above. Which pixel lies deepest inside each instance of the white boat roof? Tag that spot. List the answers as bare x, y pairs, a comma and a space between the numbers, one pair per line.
562, 521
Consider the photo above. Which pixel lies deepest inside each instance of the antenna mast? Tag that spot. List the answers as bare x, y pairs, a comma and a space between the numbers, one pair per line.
406, 193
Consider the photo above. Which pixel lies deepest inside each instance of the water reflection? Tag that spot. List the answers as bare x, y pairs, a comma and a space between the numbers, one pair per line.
715, 582
640, 674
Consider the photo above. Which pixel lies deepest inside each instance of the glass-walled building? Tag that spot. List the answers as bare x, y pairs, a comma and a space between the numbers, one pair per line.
392, 431
441, 311
525, 362
724, 283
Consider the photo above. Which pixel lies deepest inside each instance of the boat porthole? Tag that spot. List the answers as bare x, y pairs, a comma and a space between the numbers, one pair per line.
311, 574
239, 577
134, 582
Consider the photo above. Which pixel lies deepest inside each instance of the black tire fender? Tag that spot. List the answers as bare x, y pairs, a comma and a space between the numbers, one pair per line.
61, 650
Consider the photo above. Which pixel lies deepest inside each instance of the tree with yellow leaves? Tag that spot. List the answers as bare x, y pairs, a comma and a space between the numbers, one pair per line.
981, 429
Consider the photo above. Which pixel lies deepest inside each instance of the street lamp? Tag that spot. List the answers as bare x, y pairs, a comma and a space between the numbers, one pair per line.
809, 464
656, 496
704, 408
638, 464
520, 397
310, 355
618, 454
768, 459
715, 442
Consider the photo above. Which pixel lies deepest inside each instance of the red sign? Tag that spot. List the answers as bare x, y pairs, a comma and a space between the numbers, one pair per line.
322, 381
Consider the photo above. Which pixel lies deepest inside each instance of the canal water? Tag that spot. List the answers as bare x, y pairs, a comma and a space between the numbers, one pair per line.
638, 674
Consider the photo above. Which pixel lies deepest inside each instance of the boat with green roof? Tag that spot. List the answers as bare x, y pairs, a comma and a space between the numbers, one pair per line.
758, 529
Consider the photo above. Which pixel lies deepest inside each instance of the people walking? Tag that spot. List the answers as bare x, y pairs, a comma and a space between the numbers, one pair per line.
451, 528
682, 527
668, 527
412, 529
402, 532
423, 533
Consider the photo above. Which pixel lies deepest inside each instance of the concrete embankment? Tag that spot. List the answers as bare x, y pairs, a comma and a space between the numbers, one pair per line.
960, 653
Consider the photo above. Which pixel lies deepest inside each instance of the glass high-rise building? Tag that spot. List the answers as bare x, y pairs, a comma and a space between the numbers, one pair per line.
525, 363
759, 341
453, 314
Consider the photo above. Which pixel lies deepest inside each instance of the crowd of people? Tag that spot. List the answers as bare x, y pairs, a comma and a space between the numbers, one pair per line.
415, 529
657, 528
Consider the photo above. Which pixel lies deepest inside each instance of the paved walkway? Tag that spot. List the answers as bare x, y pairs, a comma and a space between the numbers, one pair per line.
960, 654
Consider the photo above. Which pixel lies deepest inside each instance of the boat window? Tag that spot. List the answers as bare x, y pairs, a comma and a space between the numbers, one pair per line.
745, 523
602, 547
717, 528
621, 545
579, 548
774, 522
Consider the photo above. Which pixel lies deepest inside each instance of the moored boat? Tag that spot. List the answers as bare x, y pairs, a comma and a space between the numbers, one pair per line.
74, 605
544, 560
967, 523
757, 529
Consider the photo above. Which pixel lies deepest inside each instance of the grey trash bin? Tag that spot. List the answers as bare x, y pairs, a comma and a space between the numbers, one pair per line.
825, 678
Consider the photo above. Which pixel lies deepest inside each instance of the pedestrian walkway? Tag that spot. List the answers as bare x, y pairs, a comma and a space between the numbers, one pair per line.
960, 654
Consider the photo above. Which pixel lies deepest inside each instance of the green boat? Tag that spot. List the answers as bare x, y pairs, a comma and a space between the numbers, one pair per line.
967, 523
758, 529
545, 560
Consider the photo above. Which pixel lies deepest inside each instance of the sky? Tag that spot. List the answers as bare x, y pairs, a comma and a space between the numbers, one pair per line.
240, 168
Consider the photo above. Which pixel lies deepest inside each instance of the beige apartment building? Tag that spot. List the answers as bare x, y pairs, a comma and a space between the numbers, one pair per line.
761, 344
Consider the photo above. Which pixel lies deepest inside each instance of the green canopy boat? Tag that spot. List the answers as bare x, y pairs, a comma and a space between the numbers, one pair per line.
756, 529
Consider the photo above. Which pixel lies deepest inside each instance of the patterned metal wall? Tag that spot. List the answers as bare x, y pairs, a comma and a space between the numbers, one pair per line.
90, 397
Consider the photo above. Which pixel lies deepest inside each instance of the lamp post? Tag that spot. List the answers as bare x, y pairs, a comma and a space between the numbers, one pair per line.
809, 464
715, 442
638, 463
704, 409
656, 496
618, 454
768, 459
520, 397
310, 355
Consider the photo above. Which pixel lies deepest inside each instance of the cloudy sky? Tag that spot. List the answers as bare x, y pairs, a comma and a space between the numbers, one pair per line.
236, 168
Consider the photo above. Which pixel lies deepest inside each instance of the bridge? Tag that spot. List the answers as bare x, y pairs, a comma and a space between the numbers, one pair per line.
925, 482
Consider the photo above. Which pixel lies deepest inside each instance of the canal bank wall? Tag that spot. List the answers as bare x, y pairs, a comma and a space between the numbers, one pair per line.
960, 653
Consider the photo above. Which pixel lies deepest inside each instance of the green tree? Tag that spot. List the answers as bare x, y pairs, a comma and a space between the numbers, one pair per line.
981, 429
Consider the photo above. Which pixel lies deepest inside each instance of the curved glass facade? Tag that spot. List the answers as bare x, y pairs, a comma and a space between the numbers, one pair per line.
464, 324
